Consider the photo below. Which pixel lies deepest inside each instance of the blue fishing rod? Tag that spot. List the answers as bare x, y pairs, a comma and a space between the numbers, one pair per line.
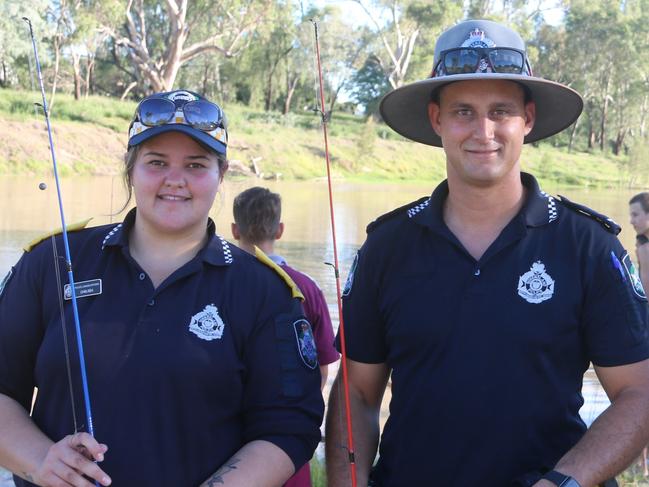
68, 260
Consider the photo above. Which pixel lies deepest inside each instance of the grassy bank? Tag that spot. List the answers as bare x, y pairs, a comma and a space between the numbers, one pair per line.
90, 138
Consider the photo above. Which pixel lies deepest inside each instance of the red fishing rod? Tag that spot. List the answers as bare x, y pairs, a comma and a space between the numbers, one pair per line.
341, 326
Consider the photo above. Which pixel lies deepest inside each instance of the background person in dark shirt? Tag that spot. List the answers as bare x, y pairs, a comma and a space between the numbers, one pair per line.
639, 218
257, 223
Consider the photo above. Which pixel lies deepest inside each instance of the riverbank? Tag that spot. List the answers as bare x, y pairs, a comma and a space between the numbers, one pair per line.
90, 139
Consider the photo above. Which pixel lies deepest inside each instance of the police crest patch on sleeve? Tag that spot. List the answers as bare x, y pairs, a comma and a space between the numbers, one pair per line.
306, 343
350, 277
4, 282
633, 277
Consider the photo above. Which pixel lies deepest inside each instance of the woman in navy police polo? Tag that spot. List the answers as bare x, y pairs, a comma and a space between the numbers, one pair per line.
194, 371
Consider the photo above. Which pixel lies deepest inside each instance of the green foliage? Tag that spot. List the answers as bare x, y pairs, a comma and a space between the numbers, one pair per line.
290, 145
370, 85
318, 472
96, 110
366, 140
636, 169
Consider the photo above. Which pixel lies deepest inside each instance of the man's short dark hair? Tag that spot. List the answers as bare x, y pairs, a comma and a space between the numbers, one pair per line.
643, 199
257, 212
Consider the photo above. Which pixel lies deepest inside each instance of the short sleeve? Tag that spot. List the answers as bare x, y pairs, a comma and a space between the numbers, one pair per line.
616, 314
364, 327
21, 329
282, 399
318, 314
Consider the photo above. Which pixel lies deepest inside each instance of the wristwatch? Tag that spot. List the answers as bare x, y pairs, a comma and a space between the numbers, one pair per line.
561, 480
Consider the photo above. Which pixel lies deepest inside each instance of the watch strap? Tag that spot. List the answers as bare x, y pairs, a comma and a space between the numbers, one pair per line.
560, 479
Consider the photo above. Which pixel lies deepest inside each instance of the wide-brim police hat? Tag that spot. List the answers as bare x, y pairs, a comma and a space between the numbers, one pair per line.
405, 109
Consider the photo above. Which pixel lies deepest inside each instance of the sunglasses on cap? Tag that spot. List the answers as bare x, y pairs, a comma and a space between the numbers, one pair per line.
465, 60
199, 114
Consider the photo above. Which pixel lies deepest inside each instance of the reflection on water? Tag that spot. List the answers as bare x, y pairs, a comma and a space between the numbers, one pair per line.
28, 212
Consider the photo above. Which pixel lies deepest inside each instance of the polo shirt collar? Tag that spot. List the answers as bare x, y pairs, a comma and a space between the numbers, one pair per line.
278, 259
539, 208
217, 251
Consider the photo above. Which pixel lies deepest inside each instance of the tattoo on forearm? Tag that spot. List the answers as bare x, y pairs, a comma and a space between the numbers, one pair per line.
217, 478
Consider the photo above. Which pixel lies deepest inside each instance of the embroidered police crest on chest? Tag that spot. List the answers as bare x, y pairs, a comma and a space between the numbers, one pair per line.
207, 324
536, 285
306, 343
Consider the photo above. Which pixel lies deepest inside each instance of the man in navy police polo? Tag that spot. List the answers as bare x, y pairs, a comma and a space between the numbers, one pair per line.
486, 302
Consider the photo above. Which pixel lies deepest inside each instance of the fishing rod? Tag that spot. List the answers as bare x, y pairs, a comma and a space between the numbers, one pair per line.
68, 260
341, 325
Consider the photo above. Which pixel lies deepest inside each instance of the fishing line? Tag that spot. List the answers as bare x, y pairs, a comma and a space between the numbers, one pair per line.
68, 260
341, 325
64, 328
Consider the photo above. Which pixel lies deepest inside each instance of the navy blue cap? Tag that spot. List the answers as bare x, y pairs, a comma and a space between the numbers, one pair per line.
216, 139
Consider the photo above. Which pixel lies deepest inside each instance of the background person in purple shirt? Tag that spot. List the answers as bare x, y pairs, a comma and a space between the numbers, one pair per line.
257, 214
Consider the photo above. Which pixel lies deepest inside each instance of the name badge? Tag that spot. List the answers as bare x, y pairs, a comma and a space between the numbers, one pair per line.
83, 289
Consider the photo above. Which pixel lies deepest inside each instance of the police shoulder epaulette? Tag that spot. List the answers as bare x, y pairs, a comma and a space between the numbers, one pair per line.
74, 227
413, 208
603, 220
262, 257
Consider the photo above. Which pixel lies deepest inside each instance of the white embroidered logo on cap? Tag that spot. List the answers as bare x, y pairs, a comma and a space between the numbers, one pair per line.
536, 286
181, 95
207, 324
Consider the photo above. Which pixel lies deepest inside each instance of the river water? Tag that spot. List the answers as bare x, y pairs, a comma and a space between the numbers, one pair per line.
28, 212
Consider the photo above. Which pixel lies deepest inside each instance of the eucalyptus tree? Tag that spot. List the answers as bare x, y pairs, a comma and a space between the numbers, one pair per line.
15, 47
160, 37
602, 47
400, 26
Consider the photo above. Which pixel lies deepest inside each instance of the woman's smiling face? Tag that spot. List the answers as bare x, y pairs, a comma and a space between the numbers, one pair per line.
175, 180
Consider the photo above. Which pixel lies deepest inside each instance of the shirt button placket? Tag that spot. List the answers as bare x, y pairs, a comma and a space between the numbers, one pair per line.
476, 272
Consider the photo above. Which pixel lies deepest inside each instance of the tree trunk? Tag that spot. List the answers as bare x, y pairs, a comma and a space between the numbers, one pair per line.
572, 135
57, 62
269, 90
217, 80
128, 90
90, 71
76, 66
3, 81
206, 73
602, 127
291, 84
619, 140
643, 115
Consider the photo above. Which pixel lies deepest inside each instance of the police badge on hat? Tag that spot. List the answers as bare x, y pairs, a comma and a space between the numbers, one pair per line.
306, 343
536, 286
477, 38
207, 324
